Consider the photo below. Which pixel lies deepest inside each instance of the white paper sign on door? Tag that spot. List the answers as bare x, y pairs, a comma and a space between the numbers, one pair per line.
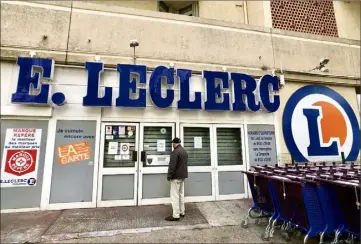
20, 159
124, 148
197, 142
113, 148
160, 145
121, 131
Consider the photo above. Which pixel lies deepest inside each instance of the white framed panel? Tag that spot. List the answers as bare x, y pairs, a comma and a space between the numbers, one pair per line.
117, 171
157, 170
48, 167
201, 169
228, 168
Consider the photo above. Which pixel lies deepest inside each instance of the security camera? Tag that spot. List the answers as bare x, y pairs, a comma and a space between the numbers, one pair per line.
134, 43
324, 61
282, 80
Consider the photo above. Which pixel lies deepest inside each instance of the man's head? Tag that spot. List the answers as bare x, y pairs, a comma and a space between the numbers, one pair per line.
175, 142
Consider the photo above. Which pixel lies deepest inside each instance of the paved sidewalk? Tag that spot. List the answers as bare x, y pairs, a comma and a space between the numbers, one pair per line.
221, 220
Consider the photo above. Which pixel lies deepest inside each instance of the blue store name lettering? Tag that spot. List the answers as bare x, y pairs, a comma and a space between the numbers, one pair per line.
244, 88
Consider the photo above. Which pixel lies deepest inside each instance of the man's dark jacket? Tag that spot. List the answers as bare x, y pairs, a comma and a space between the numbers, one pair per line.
178, 168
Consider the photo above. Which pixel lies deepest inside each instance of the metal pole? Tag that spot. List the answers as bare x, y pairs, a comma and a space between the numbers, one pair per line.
343, 157
134, 55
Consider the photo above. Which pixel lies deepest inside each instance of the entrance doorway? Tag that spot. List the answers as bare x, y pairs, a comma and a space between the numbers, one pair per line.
216, 158
133, 162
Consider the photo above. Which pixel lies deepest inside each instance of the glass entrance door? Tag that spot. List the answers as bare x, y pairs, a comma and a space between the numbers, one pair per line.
230, 160
197, 140
215, 160
155, 147
118, 165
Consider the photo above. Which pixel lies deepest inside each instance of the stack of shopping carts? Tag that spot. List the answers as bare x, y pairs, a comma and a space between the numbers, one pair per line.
321, 200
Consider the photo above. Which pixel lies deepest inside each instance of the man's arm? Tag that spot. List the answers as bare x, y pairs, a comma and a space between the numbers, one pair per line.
172, 165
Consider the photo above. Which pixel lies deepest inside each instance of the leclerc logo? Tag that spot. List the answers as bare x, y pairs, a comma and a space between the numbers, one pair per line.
319, 124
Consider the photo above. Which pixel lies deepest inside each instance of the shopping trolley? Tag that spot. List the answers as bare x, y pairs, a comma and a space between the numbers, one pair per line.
262, 207
347, 203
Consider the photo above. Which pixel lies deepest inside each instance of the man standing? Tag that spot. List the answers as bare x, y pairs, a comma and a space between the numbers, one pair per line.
177, 172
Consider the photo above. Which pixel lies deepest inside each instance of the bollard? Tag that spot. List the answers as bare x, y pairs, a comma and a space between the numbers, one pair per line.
292, 160
343, 157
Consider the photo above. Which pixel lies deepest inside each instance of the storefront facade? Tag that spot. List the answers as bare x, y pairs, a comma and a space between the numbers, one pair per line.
122, 153
108, 142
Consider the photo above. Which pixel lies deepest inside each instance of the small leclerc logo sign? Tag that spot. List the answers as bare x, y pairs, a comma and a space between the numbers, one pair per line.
20, 162
319, 124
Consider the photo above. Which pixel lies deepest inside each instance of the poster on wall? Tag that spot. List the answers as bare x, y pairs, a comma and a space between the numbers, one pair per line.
261, 144
20, 157
73, 161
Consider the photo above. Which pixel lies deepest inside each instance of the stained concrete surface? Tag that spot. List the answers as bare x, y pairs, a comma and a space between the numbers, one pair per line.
105, 219
206, 222
30, 226
224, 213
225, 234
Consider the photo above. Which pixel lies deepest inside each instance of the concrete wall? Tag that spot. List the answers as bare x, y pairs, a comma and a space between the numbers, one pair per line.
146, 5
348, 18
259, 13
223, 10
189, 42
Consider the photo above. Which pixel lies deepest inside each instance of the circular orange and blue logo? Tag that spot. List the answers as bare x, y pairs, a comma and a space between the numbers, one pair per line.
319, 124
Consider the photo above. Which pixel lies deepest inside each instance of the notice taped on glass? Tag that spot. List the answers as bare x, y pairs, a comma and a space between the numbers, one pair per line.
20, 158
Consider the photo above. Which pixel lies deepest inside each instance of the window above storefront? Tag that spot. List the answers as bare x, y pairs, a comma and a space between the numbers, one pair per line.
189, 8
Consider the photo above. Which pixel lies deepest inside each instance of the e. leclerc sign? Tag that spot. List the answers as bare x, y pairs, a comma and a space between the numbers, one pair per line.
244, 88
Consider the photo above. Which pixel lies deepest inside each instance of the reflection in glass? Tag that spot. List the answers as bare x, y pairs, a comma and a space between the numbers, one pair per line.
157, 143
197, 144
229, 146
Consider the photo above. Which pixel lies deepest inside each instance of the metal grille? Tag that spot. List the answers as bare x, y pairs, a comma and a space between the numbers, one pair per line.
197, 156
314, 17
291, 204
150, 142
229, 146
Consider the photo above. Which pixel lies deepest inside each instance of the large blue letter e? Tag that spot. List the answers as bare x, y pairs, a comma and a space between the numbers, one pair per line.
25, 80
315, 148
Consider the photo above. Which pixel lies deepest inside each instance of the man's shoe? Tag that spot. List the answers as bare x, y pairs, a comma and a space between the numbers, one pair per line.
170, 218
182, 215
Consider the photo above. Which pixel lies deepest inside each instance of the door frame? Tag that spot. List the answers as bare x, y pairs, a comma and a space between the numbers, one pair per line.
201, 169
48, 167
228, 168
151, 170
117, 171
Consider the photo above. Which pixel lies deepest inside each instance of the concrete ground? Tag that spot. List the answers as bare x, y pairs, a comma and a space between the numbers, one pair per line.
207, 222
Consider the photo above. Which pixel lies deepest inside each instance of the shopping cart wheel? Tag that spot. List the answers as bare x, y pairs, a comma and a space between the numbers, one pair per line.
244, 224
264, 238
298, 234
271, 240
286, 236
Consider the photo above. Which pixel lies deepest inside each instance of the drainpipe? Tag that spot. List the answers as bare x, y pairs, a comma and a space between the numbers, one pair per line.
245, 10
